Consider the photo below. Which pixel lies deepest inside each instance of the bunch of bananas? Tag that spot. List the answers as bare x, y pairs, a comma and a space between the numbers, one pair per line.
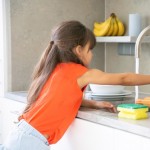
110, 27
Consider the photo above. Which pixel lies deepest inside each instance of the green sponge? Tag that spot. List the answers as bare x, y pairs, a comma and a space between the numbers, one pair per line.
132, 106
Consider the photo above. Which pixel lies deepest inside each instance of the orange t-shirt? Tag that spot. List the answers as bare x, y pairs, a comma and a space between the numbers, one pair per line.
58, 102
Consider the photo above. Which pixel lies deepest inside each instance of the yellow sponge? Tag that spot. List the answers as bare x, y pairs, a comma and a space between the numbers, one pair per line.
132, 111
133, 116
127, 110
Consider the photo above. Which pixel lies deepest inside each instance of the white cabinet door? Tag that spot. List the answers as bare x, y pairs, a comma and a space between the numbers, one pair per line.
84, 135
10, 113
124, 141
145, 143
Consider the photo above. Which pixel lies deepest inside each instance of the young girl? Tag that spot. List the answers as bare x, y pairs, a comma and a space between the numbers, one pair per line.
55, 94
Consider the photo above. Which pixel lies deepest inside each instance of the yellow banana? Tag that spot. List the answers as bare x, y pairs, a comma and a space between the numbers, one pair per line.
121, 28
101, 29
111, 27
115, 30
100, 25
97, 32
109, 33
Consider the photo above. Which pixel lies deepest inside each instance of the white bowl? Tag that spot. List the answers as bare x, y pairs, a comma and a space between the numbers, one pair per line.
106, 89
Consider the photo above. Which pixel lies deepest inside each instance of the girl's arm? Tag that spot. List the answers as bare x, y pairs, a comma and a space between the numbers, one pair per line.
98, 105
98, 77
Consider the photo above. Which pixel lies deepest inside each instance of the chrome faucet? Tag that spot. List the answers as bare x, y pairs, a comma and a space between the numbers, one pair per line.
137, 55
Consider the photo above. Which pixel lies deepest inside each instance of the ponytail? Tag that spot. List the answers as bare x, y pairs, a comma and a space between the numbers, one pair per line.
38, 69
49, 60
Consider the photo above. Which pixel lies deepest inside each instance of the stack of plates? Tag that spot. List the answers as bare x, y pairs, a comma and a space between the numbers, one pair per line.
108, 97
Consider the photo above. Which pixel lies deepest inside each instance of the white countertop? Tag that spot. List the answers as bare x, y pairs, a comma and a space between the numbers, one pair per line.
139, 127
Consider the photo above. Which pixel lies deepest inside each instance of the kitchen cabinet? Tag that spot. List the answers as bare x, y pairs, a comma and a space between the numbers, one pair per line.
124, 140
81, 135
10, 111
85, 135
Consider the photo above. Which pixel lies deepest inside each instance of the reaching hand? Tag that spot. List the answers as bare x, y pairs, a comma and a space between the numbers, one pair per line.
99, 105
106, 105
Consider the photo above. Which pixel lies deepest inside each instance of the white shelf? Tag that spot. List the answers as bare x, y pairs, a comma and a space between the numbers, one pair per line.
121, 39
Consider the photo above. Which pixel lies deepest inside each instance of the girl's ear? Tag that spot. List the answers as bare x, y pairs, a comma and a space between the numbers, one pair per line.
78, 50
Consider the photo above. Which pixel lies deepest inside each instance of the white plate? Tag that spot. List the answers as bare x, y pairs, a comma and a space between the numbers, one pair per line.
111, 97
119, 94
107, 99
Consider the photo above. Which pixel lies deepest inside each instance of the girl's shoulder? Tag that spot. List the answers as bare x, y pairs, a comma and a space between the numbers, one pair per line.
72, 68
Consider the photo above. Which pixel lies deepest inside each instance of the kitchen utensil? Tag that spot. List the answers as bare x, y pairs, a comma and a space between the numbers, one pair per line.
106, 89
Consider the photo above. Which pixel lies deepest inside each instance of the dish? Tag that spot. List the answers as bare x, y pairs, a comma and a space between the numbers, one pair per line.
95, 96
106, 89
109, 97
124, 93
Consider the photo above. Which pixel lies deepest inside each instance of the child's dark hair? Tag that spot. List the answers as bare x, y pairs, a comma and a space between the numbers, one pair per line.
64, 38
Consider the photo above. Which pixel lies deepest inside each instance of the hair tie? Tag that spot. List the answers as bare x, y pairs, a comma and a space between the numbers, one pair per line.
51, 42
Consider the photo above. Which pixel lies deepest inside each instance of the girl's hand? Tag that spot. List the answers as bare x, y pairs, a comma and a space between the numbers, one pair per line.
106, 105
98, 105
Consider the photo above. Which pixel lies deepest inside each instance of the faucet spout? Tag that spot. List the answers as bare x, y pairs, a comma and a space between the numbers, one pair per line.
139, 40
137, 55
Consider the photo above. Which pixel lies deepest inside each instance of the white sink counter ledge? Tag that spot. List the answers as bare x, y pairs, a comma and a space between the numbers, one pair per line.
102, 117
